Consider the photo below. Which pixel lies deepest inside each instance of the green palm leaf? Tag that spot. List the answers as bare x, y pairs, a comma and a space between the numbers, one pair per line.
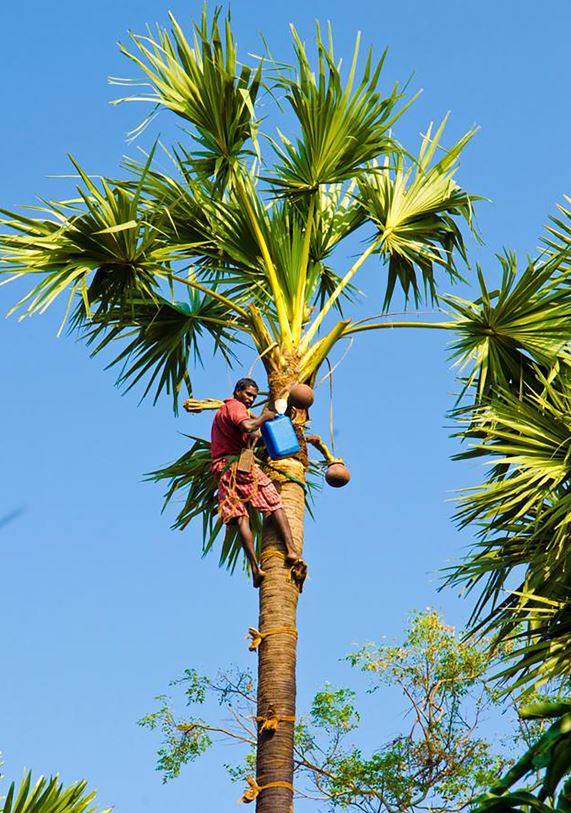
414, 213
523, 511
203, 84
343, 125
161, 338
194, 487
49, 796
500, 335
99, 246
558, 238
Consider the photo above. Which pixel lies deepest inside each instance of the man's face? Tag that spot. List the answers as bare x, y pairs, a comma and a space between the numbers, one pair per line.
247, 396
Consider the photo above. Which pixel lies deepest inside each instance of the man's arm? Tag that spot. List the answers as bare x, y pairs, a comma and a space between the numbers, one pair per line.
252, 424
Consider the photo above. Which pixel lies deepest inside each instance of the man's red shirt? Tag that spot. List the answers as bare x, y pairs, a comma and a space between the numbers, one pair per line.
226, 437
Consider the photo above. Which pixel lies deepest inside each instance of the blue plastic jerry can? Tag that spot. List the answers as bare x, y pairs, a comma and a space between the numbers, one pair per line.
279, 437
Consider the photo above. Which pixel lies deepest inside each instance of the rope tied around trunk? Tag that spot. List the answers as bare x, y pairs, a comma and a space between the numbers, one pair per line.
257, 636
282, 471
271, 720
255, 789
267, 554
298, 571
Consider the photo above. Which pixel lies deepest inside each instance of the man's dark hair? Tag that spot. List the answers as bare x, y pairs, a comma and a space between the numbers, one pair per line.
243, 383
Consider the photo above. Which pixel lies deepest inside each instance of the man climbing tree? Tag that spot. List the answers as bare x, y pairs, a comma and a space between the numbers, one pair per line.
240, 246
241, 482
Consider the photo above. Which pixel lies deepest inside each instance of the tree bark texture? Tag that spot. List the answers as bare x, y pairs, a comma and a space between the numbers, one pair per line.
277, 652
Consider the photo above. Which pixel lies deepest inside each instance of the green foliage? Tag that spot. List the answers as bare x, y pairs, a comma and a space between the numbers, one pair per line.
190, 480
250, 236
183, 743
99, 248
413, 211
49, 796
550, 754
513, 345
506, 334
440, 761
343, 126
332, 709
203, 84
162, 338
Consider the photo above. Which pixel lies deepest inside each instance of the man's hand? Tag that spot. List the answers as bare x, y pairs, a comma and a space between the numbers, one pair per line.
268, 414
189, 405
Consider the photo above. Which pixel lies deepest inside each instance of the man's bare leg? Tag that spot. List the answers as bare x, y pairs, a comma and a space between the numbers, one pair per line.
280, 518
247, 540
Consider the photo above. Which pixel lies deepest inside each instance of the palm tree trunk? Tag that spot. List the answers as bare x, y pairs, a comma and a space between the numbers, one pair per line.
277, 651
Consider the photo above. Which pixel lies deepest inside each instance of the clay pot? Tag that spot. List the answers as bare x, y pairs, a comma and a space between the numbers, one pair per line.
301, 396
337, 474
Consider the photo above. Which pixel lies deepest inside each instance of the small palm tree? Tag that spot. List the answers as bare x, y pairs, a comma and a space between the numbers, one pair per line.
236, 247
49, 796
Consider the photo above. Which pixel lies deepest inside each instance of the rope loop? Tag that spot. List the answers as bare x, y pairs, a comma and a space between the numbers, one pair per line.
255, 789
269, 553
270, 721
257, 637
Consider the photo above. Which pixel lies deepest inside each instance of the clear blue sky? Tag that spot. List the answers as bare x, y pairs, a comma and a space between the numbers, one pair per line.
101, 604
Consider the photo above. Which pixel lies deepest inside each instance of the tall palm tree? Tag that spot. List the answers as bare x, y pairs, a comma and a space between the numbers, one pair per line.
236, 246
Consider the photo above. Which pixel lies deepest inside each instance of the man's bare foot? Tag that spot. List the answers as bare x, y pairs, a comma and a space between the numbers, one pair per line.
258, 577
298, 573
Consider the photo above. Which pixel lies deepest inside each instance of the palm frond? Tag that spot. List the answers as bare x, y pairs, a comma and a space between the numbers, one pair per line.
161, 338
504, 332
550, 755
202, 83
558, 238
100, 246
414, 212
521, 563
343, 125
49, 796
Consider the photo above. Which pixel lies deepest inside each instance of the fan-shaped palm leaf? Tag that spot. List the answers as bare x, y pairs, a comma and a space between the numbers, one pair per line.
200, 82
558, 239
528, 319
524, 514
343, 125
49, 796
413, 210
191, 480
161, 337
100, 246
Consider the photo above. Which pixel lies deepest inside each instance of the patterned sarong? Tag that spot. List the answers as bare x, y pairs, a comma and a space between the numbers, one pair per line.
236, 488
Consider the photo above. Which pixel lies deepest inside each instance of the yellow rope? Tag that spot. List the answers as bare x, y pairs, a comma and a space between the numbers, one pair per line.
198, 404
270, 722
255, 789
267, 554
257, 636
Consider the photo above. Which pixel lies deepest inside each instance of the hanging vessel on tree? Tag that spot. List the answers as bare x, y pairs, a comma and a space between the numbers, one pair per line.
279, 437
337, 474
301, 396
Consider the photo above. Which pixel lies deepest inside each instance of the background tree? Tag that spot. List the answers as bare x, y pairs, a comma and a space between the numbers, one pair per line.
459, 731
237, 246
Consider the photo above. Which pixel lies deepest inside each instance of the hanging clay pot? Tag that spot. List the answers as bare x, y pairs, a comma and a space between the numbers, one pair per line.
337, 474
301, 396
